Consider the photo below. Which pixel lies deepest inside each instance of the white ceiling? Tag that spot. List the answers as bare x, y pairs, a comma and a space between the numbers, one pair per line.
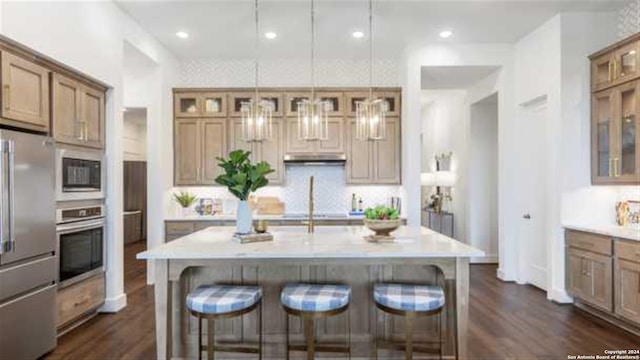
453, 77
224, 29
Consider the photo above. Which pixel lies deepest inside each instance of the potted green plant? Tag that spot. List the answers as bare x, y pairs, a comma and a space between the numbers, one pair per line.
185, 199
242, 177
382, 220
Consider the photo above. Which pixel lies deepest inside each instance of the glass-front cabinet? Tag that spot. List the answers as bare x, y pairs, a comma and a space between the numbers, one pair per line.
615, 107
615, 135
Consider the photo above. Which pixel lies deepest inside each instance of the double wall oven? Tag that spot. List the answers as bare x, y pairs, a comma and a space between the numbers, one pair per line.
81, 243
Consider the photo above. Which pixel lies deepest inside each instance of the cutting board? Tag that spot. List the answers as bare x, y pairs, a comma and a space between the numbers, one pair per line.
270, 205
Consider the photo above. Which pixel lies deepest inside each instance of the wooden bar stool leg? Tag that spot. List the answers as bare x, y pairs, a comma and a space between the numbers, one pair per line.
349, 332
440, 321
287, 332
408, 334
310, 337
260, 332
210, 339
199, 338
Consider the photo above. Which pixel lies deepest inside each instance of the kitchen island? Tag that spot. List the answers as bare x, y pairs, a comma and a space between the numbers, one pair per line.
331, 254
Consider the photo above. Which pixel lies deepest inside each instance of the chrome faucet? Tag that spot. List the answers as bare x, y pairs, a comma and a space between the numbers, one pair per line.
310, 224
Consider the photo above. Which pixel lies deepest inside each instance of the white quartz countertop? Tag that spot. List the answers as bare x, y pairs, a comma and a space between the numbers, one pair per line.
607, 230
232, 217
327, 242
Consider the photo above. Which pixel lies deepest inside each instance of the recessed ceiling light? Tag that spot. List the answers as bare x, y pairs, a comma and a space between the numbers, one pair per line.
358, 34
270, 35
182, 34
445, 34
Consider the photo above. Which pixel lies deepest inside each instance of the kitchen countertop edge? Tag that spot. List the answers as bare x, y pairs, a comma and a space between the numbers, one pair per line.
606, 230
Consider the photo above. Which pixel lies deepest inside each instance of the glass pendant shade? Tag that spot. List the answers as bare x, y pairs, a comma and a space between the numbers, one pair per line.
313, 121
257, 120
371, 119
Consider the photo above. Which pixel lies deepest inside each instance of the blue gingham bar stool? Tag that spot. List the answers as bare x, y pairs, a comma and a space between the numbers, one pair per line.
411, 302
310, 302
213, 302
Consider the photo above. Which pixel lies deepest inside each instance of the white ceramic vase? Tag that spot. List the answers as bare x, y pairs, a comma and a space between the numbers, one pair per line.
244, 218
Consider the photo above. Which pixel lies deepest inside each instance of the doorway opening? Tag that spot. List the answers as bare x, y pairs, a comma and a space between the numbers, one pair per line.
134, 195
483, 177
460, 122
533, 238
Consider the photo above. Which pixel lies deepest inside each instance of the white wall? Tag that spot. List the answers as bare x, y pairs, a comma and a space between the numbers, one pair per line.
89, 36
445, 130
483, 178
134, 144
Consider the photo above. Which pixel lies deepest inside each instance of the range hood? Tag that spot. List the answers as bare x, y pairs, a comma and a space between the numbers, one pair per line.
336, 159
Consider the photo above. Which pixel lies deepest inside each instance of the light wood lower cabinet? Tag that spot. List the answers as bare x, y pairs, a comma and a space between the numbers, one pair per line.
25, 93
590, 278
627, 296
79, 299
604, 274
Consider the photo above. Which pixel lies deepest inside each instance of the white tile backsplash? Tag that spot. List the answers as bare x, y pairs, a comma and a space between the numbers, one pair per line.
332, 194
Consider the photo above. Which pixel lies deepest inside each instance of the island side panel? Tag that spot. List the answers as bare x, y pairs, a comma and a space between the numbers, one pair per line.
462, 306
162, 290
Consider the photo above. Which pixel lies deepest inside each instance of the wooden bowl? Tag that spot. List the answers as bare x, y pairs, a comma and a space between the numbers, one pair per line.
382, 228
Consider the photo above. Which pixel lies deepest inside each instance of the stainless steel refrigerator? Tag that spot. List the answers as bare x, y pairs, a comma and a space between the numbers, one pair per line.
27, 246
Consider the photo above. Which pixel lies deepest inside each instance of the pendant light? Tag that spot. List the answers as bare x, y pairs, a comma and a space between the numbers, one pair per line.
371, 112
313, 121
257, 113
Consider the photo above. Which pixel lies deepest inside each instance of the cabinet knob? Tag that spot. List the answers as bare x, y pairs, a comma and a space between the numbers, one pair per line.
526, 216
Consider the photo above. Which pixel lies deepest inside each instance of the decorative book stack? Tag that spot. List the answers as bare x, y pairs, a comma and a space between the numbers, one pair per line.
252, 237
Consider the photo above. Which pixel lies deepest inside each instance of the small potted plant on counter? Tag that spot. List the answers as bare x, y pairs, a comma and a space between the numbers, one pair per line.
185, 199
242, 177
382, 220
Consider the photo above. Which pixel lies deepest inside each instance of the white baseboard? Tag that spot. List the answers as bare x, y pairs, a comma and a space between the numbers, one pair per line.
114, 304
560, 296
500, 274
489, 259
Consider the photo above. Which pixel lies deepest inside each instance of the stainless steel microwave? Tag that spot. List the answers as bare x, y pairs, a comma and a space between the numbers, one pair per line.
79, 175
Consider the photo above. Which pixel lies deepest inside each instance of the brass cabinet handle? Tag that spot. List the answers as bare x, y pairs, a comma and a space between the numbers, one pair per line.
615, 68
86, 131
616, 161
79, 123
611, 71
610, 167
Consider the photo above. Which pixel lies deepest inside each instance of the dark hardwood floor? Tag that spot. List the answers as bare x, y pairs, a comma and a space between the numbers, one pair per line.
507, 321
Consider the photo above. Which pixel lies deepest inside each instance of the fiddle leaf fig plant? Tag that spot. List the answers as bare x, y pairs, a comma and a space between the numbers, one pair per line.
241, 176
184, 198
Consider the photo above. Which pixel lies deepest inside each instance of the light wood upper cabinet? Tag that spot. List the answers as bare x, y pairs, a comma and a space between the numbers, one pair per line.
187, 105
627, 289
197, 104
187, 153
334, 143
214, 145
374, 162
615, 135
616, 64
386, 155
236, 100
78, 113
25, 93
92, 117
271, 151
66, 110
359, 169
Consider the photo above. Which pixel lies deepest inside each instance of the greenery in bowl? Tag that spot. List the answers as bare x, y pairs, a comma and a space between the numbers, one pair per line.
381, 212
184, 198
241, 176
